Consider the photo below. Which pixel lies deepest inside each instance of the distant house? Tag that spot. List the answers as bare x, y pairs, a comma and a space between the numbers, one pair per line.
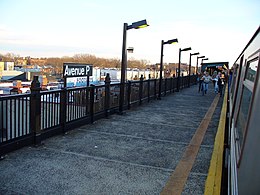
6, 66
10, 72
13, 75
7, 71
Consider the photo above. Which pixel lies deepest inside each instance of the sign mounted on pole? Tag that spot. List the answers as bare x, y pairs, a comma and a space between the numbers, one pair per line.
77, 70
71, 70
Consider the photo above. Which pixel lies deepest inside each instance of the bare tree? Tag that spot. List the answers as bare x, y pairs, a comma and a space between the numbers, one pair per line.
57, 63
10, 57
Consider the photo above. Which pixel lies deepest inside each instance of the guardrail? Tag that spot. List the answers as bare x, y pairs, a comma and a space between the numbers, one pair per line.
27, 119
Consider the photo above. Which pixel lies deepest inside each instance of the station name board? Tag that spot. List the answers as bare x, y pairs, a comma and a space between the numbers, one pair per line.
77, 70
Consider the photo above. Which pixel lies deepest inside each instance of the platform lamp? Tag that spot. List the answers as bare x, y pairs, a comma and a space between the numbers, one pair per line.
197, 64
172, 41
179, 67
135, 25
191, 54
202, 61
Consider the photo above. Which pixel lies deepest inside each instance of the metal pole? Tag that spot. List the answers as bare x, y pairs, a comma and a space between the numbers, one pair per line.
107, 94
197, 66
65, 82
35, 110
179, 71
161, 69
197, 70
88, 79
189, 71
201, 65
123, 69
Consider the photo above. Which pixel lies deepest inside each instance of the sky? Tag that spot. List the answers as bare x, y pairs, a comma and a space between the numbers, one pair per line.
218, 29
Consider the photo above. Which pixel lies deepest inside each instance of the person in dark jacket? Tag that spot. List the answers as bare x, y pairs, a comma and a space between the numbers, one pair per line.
200, 75
221, 83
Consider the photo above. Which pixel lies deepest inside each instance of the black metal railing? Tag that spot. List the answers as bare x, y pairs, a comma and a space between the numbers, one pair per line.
27, 119
14, 114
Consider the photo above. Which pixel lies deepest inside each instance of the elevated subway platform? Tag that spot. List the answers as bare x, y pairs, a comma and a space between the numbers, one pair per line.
135, 153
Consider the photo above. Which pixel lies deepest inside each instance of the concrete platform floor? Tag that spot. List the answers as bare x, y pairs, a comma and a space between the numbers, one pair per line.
134, 153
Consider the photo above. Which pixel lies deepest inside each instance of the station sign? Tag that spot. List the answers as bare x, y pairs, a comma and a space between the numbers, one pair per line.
77, 70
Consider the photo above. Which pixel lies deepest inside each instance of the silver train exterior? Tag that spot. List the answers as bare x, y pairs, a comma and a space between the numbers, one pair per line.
244, 121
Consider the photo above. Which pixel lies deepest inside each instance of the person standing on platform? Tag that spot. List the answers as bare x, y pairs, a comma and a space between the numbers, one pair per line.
206, 79
221, 83
216, 88
200, 81
215, 80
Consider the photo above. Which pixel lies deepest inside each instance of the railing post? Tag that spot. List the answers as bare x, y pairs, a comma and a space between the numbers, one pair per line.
35, 110
182, 83
155, 89
165, 86
148, 87
171, 84
92, 101
87, 100
129, 94
141, 89
107, 94
63, 109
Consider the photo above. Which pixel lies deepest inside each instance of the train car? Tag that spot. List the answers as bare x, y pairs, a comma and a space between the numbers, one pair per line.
244, 121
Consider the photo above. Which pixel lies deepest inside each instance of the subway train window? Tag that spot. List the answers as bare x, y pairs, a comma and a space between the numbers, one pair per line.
243, 114
247, 91
236, 88
238, 93
251, 71
235, 72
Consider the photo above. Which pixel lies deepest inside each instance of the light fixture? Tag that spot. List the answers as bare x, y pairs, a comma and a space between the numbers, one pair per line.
137, 25
172, 41
186, 49
130, 50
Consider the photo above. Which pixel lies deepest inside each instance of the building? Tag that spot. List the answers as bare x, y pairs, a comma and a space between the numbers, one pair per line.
7, 66
7, 71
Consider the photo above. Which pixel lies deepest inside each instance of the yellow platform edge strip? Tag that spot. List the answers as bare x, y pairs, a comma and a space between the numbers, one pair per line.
213, 181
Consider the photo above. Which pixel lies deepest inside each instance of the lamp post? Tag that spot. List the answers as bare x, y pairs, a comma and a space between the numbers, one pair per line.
179, 67
202, 61
197, 64
172, 41
191, 54
135, 25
